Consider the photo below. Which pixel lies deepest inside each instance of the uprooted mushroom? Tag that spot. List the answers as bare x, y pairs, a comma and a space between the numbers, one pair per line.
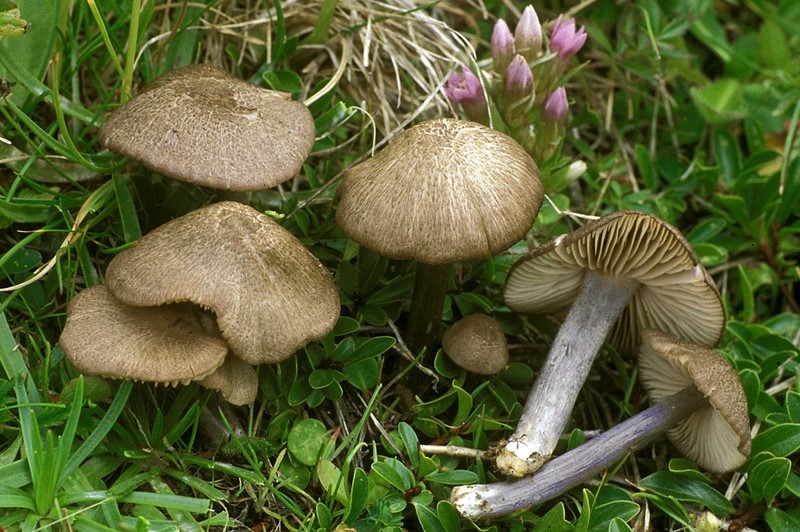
621, 273
699, 403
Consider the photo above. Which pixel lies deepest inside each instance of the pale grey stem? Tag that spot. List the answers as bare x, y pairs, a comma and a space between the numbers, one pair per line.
547, 410
571, 469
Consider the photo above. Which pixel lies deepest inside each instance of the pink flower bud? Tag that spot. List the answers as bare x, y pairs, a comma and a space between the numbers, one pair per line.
519, 80
464, 87
565, 40
502, 46
528, 34
556, 106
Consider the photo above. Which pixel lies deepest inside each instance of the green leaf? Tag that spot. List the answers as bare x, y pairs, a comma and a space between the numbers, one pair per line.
332, 481
307, 440
727, 154
359, 494
394, 473
553, 521
720, 102
410, 442
688, 489
773, 49
448, 516
284, 81
782, 440
780, 521
767, 475
428, 519
363, 375
646, 167
458, 477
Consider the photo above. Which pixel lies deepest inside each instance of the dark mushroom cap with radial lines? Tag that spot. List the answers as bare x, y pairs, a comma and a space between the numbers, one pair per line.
271, 296
676, 294
167, 345
443, 191
198, 124
716, 437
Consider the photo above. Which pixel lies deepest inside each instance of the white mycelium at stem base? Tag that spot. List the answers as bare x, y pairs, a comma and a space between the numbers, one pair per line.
700, 404
621, 273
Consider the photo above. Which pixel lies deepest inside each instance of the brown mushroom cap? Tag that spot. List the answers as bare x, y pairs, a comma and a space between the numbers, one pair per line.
236, 380
271, 296
199, 124
443, 191
676, 294
716, 437
165, 345
477, 344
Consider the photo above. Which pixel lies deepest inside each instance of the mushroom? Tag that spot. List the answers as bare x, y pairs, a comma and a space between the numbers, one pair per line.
198, 124
699, 402
165, 345
443, 191
270, 295
477, 344
627, 268
235, 380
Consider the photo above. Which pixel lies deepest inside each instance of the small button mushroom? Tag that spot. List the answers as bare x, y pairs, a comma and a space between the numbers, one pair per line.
270, 295
199, 124
620, 273
699, 402
443, 191
477, 344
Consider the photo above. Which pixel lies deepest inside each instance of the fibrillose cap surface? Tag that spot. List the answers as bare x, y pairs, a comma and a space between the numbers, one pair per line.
167, 345
676, 294
477, 344
235, 380
443, 191
271, 296
198, 124
716, 437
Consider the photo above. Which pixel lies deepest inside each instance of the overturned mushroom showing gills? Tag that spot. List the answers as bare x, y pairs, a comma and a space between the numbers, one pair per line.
698, 400
198, 124
443, 191
626, 268
270, 295
477, 344
165, 345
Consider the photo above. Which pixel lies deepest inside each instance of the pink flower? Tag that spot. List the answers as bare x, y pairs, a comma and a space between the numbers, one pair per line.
556, 106
528, 34
502, 46
519, 80
464, 87
565, 40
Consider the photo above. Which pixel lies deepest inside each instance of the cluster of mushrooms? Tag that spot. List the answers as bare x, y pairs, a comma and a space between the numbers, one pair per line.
215, 292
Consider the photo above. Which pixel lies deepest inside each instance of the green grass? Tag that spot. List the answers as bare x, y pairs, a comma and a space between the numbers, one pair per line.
686, 109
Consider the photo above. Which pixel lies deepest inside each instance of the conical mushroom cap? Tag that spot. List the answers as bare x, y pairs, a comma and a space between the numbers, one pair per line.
198, 124
477, 344
716, 437
105, 337
443, 191
271, 296
236, 380
676, 294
